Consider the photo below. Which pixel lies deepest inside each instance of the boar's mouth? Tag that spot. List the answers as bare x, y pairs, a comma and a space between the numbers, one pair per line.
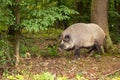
61, 47
70, 49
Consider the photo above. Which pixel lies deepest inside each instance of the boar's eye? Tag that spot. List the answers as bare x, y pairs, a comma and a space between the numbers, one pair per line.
67, 38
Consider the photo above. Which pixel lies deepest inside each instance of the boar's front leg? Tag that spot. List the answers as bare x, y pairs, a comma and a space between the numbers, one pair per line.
98, 47
77, 52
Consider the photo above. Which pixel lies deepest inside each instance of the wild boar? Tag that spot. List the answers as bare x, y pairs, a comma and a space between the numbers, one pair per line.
82, 35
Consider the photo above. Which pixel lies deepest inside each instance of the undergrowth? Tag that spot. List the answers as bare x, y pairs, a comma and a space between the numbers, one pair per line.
50, 76
28, 45
41, 76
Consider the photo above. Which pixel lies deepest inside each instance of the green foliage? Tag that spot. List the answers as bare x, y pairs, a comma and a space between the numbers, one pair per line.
34, 15
34, 49
6, 16
114, 24
41, 76
17, 77
44, 76
28, 46
80, 77
52, 50
49, 76
116, 76
41, 19
62, 78
23, 50
4, 53
114, 20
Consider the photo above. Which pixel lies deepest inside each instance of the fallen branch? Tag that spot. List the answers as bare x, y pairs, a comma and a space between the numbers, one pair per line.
111, 73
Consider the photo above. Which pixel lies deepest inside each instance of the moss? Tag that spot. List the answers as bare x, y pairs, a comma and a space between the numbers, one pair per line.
109, 46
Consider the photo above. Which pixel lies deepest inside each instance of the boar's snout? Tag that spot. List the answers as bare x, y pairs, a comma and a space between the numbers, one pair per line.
61, 46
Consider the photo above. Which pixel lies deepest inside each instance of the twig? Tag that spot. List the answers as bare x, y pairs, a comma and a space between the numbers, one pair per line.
111, 73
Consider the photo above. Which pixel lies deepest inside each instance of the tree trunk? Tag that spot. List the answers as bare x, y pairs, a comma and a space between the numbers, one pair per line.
16, 48
99, 15
17, 34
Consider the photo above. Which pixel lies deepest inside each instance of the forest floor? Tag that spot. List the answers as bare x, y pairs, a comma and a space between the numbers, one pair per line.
92, 68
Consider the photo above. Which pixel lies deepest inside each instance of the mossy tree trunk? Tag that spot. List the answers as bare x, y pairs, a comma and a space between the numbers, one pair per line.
99, 15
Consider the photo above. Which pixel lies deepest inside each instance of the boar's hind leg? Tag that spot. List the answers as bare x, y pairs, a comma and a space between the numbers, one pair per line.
77, 52
91, 49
